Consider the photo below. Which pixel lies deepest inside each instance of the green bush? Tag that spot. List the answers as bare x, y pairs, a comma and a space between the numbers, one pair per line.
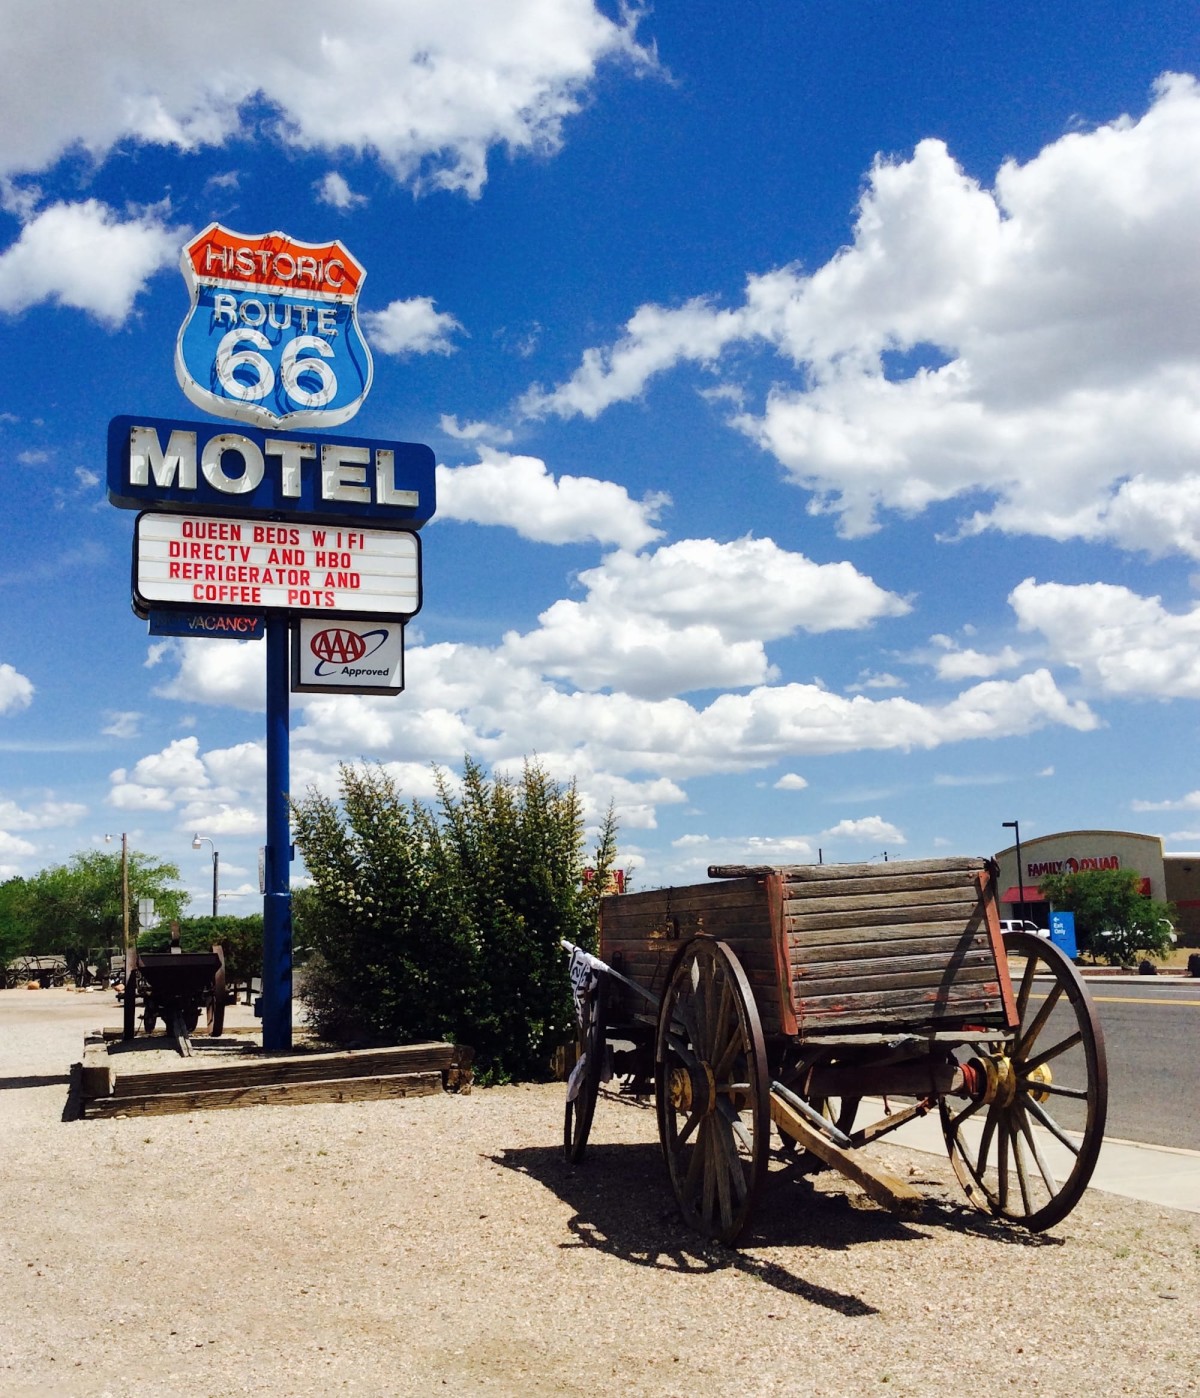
446, 923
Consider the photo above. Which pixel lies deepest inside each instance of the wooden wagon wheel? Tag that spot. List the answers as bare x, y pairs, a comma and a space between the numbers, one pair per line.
215, 1013
711, 1089
1026, 1151
581, 1108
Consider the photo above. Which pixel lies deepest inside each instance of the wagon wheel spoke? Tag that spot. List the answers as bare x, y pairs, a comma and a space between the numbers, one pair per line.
1026, 988
730, 1117
985, 1141
955, 1120
689, 1128
1022, 1176
1026, 1040
711, 1089
1078, 1094
1047, 1055
1031, 1140
1034, 1154
1002, 1154
1051, 1125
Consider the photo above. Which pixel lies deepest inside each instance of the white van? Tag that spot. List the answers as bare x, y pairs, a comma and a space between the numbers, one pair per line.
1017, 925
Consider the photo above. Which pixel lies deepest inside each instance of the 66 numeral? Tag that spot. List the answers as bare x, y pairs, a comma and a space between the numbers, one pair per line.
304, 375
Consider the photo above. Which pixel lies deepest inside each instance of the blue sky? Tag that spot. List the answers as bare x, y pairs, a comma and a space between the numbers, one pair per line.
815, 392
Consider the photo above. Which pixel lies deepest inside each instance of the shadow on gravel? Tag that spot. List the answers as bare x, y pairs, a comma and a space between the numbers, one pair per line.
623, 1205
35, 1080
800, 1210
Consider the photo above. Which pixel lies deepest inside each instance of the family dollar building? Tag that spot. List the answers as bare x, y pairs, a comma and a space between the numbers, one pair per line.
1173, 878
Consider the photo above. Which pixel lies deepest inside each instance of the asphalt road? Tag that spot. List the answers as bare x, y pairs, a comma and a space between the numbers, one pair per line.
1152, 1035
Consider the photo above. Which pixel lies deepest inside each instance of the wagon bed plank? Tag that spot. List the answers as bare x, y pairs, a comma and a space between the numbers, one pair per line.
851, 904
897, 970
875, 921
814, 949
904, 1006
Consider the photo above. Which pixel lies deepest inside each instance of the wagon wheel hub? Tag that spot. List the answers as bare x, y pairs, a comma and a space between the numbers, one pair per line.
1000, 1079
679, 1089
693, 1087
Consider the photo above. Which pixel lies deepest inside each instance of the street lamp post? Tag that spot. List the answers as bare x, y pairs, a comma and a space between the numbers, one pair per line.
197, 841
1015, 827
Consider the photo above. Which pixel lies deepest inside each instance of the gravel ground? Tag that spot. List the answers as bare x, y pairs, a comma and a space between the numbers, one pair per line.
441, 1244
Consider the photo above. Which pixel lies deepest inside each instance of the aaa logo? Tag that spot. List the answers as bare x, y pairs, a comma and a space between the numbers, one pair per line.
272, 336
338, 646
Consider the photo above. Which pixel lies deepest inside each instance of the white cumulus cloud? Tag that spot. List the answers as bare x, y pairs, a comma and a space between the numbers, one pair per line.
1120, 642
694, 615
58, 251
1034, 342
427, 89
411, 327
520, 493
16, 691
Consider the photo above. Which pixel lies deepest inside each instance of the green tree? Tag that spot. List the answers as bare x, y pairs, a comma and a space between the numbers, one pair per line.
14, 931
1113, 918
446, 922
75, 910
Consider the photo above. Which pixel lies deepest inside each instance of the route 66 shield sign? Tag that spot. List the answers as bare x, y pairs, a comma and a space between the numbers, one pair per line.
272, 337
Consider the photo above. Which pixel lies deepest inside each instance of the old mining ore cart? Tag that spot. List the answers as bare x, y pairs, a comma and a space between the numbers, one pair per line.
175, 987
819, 996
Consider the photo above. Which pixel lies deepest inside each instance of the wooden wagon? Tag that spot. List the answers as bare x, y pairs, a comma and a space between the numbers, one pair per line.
839, 1002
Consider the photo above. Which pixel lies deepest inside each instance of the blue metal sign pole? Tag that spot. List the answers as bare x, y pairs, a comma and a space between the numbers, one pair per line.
277, 896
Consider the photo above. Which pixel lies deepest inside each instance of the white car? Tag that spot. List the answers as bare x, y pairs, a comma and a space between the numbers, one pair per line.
1019, 925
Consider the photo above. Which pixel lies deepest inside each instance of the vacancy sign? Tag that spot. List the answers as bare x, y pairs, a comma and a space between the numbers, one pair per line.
204, 561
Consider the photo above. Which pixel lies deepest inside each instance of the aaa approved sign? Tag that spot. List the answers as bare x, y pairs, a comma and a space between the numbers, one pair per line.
201, 560
356, 657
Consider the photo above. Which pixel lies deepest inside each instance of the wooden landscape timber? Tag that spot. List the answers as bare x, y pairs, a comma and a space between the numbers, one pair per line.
113, 1083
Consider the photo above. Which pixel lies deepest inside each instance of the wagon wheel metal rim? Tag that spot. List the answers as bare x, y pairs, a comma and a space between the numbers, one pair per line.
580, 1111
1040, 1138
715, 1135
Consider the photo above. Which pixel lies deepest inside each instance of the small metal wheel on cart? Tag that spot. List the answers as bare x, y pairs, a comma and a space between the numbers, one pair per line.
583, 1086
1026, 1148
711, 1089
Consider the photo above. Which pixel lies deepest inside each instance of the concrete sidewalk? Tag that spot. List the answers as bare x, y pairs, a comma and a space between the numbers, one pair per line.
1154, 1174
